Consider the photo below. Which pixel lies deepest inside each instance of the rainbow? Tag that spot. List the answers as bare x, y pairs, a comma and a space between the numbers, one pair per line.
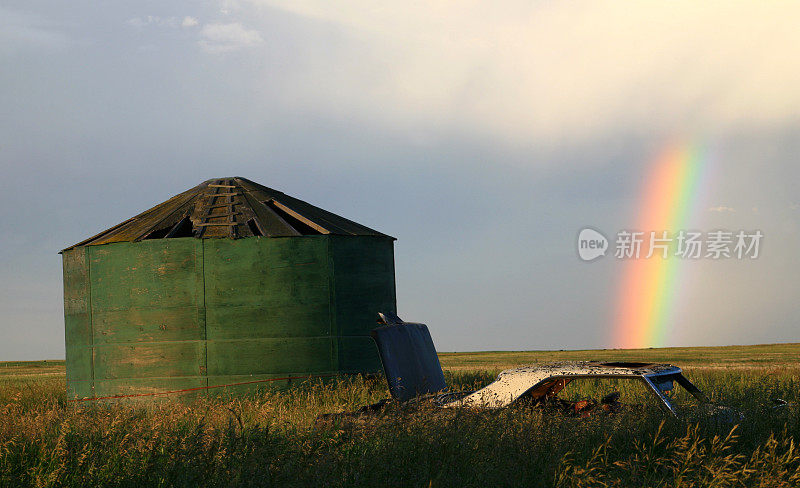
649, 286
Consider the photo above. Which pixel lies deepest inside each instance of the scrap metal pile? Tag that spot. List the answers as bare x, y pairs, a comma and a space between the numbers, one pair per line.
414, 375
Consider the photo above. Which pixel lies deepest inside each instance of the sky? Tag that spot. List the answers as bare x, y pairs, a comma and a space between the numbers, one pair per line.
482, 135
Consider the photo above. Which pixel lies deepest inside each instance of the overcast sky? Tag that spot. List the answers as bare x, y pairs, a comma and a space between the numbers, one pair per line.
483, 135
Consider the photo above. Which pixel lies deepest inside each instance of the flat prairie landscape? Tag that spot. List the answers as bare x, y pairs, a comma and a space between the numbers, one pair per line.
273, 437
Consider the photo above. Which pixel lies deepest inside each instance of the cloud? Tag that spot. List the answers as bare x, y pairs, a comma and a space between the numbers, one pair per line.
219, 38
153, 20
721, 208
533, 72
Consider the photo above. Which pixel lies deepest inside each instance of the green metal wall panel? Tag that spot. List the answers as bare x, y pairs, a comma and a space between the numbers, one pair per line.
248, 271
270, 356
148, 274
146, 325
269, 320
247, 383
364, 282
172, 314
158, 359
358, 354
268, 306
266, 287
363, 273
140, 386
147, 317
77, 324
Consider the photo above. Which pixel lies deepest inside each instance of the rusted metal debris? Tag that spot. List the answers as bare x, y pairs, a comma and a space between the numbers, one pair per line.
538, 383
414, 373
229, 207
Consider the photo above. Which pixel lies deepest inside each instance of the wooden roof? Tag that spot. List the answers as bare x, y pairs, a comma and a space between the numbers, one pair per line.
233, 208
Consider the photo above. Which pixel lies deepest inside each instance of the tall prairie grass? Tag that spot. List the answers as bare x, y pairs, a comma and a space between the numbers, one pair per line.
272, 438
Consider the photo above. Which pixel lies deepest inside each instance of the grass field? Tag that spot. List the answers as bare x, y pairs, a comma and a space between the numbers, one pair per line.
270, 438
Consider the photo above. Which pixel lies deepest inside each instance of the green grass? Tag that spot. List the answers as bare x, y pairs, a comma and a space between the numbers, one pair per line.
270, 438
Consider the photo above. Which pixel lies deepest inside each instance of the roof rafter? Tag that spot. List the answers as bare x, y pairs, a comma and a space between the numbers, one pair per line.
229, 207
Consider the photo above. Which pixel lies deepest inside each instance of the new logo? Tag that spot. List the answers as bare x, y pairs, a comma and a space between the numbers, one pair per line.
591, 244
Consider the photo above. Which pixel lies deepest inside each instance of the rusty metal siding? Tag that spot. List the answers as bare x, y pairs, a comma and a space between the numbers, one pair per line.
167, 314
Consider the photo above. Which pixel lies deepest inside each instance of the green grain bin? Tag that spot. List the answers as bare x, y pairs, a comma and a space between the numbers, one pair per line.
229, 282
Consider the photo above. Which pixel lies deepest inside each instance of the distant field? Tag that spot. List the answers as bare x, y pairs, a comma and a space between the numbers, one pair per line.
21, 369
274, 438
768, 356
759, 356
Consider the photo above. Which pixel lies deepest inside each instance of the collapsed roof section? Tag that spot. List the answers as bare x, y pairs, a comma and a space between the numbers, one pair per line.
233, 208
